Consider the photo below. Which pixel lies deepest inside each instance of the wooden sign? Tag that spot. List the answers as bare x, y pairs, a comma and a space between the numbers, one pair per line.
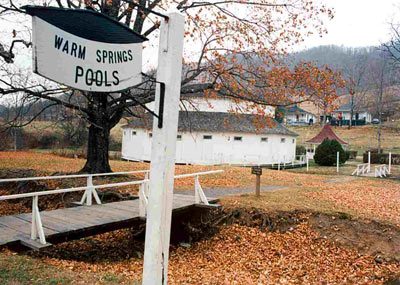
84, 49
257, 170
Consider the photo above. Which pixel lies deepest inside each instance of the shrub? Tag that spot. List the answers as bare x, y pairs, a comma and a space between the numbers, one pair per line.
114, 145
352, 154
326, 153
300, 150
382, 158
48, 141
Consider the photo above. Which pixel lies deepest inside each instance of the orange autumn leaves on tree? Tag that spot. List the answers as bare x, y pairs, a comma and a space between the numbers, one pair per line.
240, 46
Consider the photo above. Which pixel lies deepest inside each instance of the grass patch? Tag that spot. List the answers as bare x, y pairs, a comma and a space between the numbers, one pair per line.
22, 269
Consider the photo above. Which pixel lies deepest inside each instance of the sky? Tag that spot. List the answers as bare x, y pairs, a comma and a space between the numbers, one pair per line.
357, 23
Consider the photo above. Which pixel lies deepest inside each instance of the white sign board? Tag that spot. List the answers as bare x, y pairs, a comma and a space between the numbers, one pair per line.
84, 64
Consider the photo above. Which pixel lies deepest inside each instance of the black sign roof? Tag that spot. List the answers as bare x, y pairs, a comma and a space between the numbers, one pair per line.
87, 24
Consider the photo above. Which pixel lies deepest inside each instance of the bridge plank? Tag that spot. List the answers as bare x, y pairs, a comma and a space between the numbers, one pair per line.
22, 226
8, 235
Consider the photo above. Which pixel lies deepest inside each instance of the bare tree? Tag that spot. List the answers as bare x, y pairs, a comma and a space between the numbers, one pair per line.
355, 70
382, 81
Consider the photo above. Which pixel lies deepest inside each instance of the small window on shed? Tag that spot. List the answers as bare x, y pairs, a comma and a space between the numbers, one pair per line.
293, 140
179, 137
133, 133
237, 139
124, 133
150, 135
283, 140
207, 137
264, 139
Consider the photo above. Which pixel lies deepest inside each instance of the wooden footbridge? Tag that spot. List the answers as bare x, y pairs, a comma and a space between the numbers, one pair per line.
40, 229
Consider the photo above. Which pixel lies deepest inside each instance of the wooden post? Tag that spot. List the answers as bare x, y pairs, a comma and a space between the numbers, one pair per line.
337, 162
159, 211
258, 186
390, 161
257, 170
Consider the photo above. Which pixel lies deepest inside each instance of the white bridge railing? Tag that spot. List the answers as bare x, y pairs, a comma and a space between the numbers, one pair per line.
362, 169
37, 231
381, 171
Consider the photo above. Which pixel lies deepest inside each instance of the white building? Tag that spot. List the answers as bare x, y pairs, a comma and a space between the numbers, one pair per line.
359, 114
212, 136
295, 115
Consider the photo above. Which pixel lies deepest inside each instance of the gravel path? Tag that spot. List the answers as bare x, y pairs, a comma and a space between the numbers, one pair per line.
219, 192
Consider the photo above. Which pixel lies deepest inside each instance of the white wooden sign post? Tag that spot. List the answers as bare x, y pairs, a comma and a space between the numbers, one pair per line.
158, 226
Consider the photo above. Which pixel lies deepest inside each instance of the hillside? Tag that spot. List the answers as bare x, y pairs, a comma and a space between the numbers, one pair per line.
359, 138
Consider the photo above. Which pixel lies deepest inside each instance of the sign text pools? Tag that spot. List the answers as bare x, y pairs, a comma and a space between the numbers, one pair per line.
84, 64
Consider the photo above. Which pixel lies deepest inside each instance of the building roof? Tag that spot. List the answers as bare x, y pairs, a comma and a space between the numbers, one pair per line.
347, 108
218, 122
86, 24
294, 109
325, 133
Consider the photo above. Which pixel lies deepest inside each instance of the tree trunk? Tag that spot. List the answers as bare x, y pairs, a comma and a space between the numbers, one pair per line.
99, 135
97, 151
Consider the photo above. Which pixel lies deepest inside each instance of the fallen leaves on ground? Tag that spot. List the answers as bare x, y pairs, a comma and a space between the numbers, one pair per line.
371, 197
244, 255
231, 177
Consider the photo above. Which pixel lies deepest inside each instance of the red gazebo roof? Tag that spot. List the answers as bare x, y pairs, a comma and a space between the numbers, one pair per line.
325, 133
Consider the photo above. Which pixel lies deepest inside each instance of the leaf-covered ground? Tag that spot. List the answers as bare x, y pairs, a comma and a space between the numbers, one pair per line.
236, 255
231, 177
369, 197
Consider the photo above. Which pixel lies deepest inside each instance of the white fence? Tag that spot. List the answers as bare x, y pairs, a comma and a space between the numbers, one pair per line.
381, 171
90, 191
362, 169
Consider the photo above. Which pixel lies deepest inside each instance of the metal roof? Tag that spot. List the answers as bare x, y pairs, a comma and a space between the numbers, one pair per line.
86, 24
325, 133
218, 122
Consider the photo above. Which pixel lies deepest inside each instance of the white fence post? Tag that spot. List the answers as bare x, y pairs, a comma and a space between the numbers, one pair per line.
37, 228
337, 162
90, 192
199, 193
390, 162
369, 161
307, 162
142, 200
146, 188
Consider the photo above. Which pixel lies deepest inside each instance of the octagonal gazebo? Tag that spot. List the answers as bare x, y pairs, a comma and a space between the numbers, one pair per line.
325, 133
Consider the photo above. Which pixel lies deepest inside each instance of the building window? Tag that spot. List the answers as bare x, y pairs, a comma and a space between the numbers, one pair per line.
133, 133
150, 135
264, 139
237, 139
283, 140
207, 137
124, 133
293, 140
179, 137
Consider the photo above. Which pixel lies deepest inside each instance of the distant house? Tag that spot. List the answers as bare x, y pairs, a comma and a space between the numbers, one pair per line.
210, 134
325, 133
361, 115
295, 114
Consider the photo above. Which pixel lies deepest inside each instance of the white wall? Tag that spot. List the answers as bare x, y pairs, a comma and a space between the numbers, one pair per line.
362, 115
193, 148
216, 105
302, 117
